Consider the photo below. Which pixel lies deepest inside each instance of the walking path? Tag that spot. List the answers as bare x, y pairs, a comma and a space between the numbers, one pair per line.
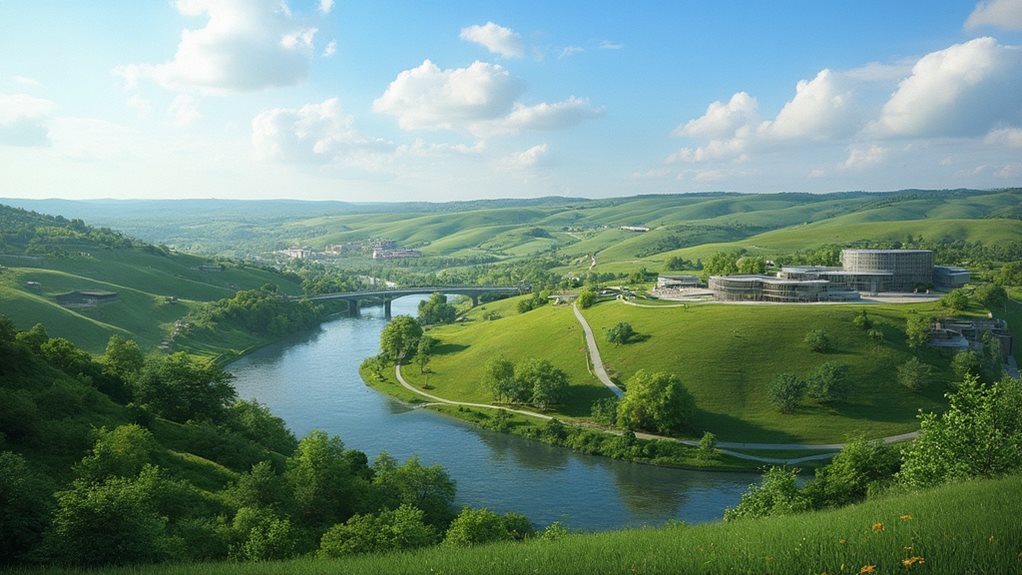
594, 355
723, 447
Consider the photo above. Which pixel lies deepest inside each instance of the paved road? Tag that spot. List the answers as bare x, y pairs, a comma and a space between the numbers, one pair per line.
594, 354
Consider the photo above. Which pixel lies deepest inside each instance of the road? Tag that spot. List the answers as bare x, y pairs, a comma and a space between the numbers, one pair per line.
594, 355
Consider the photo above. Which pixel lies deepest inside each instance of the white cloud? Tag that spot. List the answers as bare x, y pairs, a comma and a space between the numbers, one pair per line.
1004, 14
319, 133
963, 90
24, 120
245, 45
610, 45
823, 108
26, 81
556, 116
184, 110
422, 149
569, 51
534, 157
330, 49
864, 157
325, 6
430, 98
496, 39
722, 119
1010, 137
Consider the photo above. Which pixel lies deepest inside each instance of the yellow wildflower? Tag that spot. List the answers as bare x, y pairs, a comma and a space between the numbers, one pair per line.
914, 560
841, 541
867, 569
906, 517
878, 527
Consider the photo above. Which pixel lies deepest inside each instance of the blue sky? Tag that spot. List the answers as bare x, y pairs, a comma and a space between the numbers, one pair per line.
428, 100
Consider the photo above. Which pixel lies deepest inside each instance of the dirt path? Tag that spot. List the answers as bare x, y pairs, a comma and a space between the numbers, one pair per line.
594, 354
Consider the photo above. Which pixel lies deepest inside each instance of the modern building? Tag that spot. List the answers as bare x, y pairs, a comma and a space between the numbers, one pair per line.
677, 281
869, 271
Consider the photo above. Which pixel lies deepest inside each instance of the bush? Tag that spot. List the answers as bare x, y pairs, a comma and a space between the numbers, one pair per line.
655, 402
786, 392
914, 374
817, 341
778, 494
402, 528
586, 298
621, 333
476, 526
829, 382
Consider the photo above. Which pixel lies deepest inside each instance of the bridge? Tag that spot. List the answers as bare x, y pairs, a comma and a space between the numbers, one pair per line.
355, 298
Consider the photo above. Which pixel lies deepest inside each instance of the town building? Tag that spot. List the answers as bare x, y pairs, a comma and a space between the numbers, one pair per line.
677, 281
87, 298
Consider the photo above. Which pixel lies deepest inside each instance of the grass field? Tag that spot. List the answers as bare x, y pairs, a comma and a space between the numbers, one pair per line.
960, 528
550, 332
726, 356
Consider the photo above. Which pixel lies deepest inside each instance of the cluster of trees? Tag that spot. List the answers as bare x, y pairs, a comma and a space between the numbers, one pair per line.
533, 381
31, 233
828, 382
980, 435
436, 310
181, 470
260, 311
653, 401
537, 300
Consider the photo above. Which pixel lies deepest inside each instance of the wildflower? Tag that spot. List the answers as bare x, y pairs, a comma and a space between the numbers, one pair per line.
906, 517
878, 527
867, 569
841, 541
908, 549
914, 560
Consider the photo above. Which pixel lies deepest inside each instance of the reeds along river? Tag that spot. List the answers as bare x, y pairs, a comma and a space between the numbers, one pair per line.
312, 382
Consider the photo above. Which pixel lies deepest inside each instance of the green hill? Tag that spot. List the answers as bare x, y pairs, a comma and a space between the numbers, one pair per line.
43, 256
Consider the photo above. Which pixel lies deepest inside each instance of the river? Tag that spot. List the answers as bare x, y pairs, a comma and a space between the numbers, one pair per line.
312, 382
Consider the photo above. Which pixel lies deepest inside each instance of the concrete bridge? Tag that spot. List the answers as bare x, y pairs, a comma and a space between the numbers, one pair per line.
355, 298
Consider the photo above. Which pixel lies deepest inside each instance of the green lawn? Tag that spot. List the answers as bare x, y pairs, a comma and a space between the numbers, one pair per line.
550, 332
726, 355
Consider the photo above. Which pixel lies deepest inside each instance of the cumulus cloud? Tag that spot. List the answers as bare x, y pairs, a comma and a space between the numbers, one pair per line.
245, 45
24, 120
722, 119
532, 158
431, 98
822, 108
325, 6
318, 133
480, 99
569, 51
496, 39
963, 90
1005, 14
864, 157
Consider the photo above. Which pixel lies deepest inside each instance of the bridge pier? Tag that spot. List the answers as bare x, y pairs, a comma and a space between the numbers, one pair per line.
475, 300
354, 308
386, 308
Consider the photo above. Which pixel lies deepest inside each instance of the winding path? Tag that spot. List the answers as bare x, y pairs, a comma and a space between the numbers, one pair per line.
723, 447
594, 354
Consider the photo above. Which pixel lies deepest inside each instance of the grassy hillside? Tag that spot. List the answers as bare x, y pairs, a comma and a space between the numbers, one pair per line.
727, 355
42, 257
960, 528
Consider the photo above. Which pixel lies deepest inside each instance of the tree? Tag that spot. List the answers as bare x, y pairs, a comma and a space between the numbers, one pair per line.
181, 388
25, 504
655, 401
123, 357
991, 296
436, 310
862, 321
122, 452
876, 337
604, 410
328, 481
721, 264
255, 422
829, 382
400, 338
917, 331
707, 446
262, 534
980, 435
914, 374
860, 466
965, 363
786, 392
751, 265
34, 338
261, 488
546, 384
778, 494
817, 340
428, 488
477, 526
499, 377
675, 263
424, 352
388, 530
955, 300
586, 298
1010, 274
620, 333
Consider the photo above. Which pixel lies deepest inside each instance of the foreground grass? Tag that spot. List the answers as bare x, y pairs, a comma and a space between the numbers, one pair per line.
964, 528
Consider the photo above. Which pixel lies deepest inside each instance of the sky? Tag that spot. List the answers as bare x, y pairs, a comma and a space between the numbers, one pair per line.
450, 100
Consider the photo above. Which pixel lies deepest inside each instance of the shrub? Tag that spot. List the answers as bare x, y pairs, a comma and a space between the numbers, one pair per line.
786, 391
817, 341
